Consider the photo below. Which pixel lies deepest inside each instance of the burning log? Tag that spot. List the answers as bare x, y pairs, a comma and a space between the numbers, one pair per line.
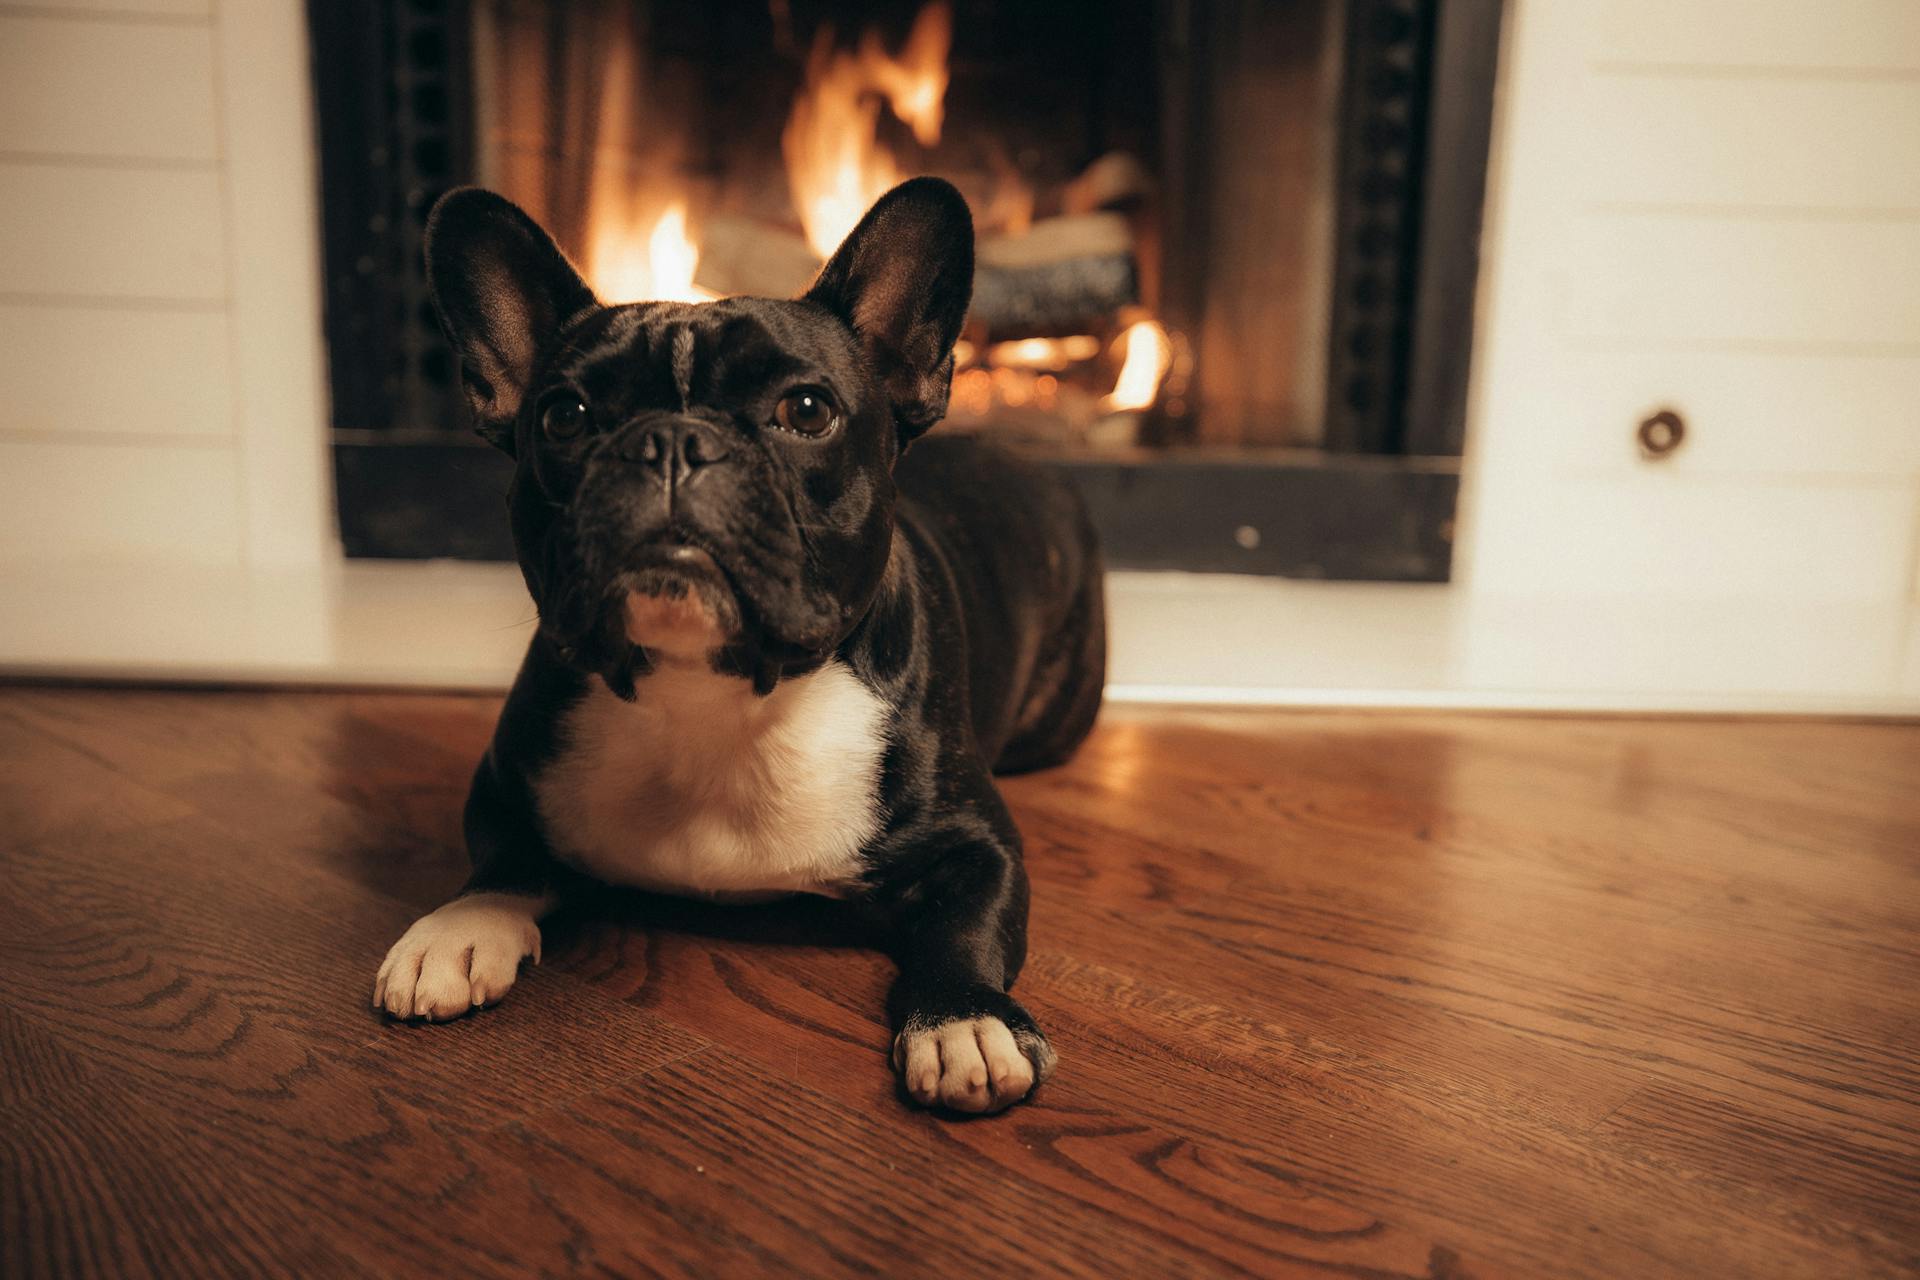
1115, 181
1056, 278
744, 255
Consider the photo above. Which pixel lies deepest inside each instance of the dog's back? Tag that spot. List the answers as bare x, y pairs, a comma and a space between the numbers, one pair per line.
1026, 566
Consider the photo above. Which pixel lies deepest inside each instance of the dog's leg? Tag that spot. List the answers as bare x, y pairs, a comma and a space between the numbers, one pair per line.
961, 1041
467, 953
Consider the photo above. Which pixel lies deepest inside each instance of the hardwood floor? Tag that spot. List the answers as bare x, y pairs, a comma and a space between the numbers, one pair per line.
1354, 994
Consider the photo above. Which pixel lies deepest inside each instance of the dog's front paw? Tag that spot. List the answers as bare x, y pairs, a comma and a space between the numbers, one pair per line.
975, 1064
460, 957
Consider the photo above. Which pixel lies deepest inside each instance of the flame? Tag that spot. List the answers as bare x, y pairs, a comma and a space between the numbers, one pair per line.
629, 259
672, 256
640, 247
626, 264
1146, 356
836, 166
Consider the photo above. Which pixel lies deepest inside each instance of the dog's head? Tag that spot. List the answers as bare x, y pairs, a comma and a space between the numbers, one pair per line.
705, 482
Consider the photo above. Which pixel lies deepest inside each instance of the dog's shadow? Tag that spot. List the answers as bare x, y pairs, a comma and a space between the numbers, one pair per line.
590, 909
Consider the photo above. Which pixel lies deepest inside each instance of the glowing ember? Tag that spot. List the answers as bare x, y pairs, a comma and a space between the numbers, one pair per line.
1045, 353
1146, 356
836, 166
625, 264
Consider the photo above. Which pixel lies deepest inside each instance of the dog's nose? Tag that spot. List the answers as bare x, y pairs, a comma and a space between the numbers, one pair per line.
675, 449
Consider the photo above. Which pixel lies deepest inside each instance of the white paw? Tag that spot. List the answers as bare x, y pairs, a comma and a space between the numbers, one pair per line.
971, 1064
460, 957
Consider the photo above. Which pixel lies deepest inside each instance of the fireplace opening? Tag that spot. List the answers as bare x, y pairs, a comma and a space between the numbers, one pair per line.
1226, 250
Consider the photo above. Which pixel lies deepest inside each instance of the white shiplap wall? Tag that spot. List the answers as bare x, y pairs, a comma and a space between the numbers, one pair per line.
1712, 205
159, 338
1715, 206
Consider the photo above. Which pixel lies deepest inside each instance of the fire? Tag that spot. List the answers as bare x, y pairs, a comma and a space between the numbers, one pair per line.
629, 259
1146, 356
627, 265
640, 246
1044, 353
836, 165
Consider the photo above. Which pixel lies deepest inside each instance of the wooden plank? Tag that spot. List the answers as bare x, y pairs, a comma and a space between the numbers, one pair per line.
171, 372
106, 89
112, 233
751, 1191
139, 1183
48, 788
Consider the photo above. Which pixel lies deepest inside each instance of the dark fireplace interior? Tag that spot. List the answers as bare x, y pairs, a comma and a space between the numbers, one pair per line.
1227, 250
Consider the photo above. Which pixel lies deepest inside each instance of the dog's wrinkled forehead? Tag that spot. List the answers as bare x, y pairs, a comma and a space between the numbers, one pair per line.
727, 355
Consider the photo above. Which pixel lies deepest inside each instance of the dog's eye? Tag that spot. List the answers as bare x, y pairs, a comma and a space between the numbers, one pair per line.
807, 411
565, 418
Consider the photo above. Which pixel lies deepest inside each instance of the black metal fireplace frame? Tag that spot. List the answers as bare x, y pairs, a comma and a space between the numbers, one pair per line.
1376, 503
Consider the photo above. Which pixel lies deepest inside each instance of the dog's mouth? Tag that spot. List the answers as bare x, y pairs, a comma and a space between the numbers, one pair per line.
678, 604
668, 602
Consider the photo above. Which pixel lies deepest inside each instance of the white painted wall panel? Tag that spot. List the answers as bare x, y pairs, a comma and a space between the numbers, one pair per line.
1756, 413
157, 190
1737, 141
1654, 536
1692, 278
168, 374
120, 233
1761, 655
104, 88
119, 502
1909, 679
279, 361
1823, 35
136, 9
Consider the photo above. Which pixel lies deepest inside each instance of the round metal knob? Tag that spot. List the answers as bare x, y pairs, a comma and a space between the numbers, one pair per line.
1661, 434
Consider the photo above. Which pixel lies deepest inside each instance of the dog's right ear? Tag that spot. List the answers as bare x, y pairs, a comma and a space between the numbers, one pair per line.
901, 281
504, 291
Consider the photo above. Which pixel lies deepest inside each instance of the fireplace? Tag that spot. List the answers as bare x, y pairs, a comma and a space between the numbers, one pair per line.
1226, 249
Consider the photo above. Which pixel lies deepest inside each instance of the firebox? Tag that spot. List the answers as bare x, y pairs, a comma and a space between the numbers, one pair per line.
1226, 249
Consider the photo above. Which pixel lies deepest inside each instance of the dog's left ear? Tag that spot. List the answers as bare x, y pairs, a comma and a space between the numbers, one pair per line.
902, 281
503, 289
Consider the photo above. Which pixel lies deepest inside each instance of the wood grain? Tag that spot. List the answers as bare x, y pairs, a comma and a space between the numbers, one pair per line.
1362, 995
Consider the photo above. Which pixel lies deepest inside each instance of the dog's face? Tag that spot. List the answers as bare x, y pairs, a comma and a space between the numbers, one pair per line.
704, 482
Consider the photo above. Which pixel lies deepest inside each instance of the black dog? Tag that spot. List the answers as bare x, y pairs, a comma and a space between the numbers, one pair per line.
773, 656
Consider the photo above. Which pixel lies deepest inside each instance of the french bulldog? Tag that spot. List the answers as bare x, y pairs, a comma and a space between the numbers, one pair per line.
784, 643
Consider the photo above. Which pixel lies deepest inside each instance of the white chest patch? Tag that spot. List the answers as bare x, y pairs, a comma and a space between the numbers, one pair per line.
700, 787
